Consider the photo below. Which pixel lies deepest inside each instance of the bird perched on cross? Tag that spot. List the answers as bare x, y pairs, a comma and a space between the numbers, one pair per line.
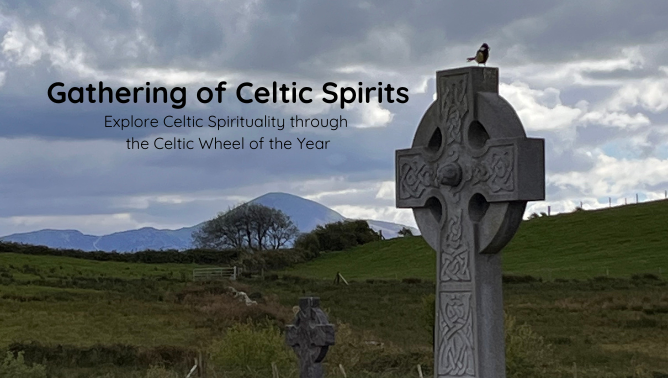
481, 56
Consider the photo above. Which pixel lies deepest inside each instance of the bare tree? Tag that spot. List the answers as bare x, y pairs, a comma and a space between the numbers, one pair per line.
247, 226
282, 231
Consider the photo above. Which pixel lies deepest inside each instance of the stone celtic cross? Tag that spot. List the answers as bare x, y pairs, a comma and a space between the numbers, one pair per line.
310, 336
468, 177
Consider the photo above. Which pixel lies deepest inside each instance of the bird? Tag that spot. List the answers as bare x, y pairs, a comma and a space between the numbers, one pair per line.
481, 56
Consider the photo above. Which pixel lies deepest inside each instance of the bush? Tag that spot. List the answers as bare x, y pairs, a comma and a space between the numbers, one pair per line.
510, 279
361, 353
271, 277
338, 236
273, 259
252, 346
405, 232
190, 256
527, 354
15, 367
646, 276
308, 242
96, 355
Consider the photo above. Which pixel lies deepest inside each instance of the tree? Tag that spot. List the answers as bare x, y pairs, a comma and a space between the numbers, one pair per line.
249, 226
281, 231
405, 231
308, 242
338, 236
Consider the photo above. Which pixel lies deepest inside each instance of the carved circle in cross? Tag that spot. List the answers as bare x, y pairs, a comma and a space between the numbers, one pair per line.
470, 164
310, 336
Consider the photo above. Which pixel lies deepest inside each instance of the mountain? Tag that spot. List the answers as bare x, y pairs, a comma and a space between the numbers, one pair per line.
55, 239
306, 215
146, 238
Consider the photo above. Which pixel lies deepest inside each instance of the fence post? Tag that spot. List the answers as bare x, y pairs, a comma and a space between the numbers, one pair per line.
200, 365
549, 208
208, 274
609, 201
636, 197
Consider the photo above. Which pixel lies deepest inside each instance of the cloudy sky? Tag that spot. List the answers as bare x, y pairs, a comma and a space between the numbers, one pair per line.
591, 77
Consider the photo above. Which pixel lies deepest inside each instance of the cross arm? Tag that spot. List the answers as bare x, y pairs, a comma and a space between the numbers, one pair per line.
415, 178
510, 169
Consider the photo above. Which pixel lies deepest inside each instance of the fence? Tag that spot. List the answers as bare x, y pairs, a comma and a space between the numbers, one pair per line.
648, 197
212, 274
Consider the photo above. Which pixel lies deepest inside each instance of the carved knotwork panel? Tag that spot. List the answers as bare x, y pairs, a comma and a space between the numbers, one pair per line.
453, 105
455, 251
415, 177
494, 171
456, 341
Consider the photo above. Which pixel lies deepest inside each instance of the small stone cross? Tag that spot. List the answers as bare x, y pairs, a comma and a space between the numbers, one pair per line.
310, 336
468, 177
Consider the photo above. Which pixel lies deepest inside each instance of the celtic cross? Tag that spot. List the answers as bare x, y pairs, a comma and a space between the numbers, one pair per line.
310, 337
468, 177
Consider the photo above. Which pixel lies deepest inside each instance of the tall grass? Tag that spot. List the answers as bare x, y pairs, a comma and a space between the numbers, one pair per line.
14, 366
249, 350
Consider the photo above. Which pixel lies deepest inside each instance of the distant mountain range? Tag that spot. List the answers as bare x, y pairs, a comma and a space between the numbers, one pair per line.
306, 215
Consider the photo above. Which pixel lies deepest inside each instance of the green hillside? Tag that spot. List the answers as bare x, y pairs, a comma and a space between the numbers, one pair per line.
31, 267
620, 242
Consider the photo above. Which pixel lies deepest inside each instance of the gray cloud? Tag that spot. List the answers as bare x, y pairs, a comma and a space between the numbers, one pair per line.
61, 161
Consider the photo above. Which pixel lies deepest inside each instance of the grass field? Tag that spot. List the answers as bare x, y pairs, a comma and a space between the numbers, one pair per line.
606, 327
83, 318
29, 267
619, 242
116, 320
103, 301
